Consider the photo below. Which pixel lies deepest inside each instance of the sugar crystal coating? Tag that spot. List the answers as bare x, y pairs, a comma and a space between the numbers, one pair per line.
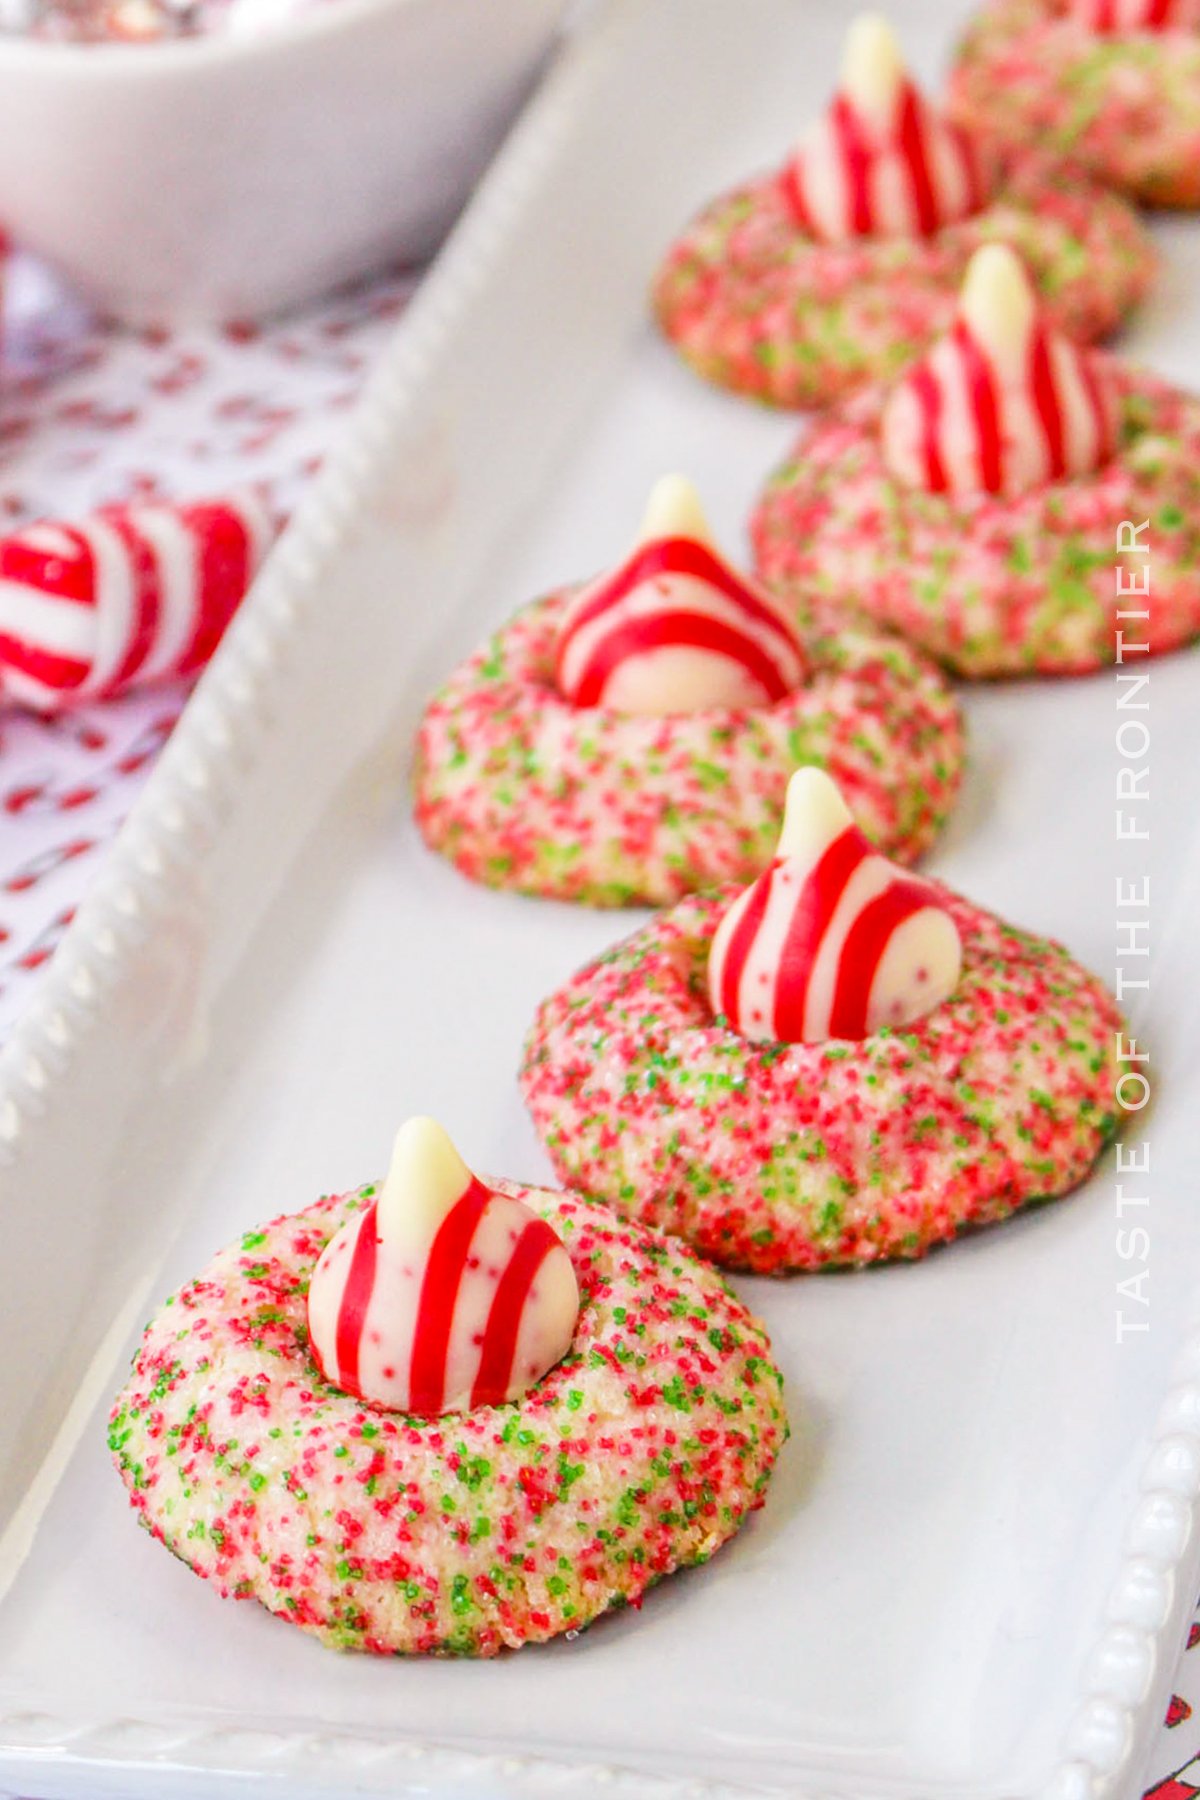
1124, 108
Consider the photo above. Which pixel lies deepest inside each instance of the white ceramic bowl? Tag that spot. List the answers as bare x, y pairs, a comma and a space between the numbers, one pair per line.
228, 176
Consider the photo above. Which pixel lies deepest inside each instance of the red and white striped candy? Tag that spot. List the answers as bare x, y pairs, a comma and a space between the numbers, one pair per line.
1112, 17
1002, 403
442, 1295
134, 594
833, 940
675, 629
881, 162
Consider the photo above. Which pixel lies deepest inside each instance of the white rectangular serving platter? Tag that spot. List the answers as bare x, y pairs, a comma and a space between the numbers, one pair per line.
972, 1576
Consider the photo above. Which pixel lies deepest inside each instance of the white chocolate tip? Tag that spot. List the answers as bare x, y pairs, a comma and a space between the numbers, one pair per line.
674, 510
997, 300
426, 1177
872, 67
814, 814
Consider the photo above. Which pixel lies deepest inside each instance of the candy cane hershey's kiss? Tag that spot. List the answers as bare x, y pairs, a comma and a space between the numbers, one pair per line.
881, 162
1114, 17
132, 595
443, 1295
1002, 403
832, 940
676, 629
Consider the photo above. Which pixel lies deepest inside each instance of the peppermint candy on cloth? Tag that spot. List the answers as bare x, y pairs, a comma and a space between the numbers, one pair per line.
92, 416
133, 595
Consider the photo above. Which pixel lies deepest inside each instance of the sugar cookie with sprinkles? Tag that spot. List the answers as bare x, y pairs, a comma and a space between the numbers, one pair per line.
977, 506
631, 739
799, 286
1112, 86
838, 1066
447, 1416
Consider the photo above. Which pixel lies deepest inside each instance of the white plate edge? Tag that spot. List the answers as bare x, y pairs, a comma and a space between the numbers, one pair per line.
169, 832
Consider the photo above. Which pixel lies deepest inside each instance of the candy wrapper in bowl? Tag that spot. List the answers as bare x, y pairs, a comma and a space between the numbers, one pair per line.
236, 173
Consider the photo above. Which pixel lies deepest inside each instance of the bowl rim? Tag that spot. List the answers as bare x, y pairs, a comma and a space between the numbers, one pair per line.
94, 60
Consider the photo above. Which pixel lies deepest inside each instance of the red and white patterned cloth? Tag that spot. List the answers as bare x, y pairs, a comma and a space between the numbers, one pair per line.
1176, 1764
91, 416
